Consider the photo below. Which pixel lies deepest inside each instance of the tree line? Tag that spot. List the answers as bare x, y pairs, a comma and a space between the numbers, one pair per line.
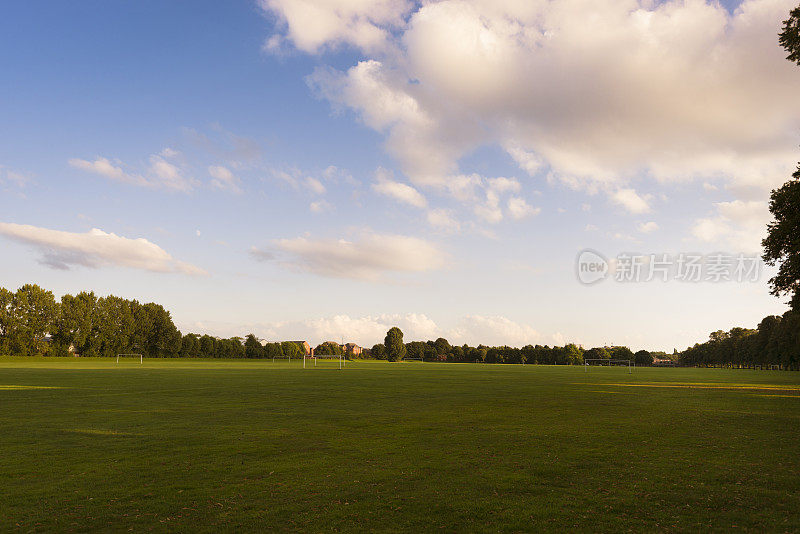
440, 350
774, 344
33, 322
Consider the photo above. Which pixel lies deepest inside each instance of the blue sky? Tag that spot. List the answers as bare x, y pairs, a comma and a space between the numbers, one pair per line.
324, 171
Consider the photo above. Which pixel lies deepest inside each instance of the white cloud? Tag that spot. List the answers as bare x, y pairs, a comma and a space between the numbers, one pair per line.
96, 248
314, 185
630, 200
370, 257
312, 26
314, 182
490, 210
159, 174
648, 227
519, 208
14, 178
371, 329
592, 108
320, 206
404, 193
738, 224
224, 179
495, 330
442, 219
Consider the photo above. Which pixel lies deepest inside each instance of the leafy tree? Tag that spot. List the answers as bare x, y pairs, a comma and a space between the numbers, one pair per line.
621, 353
252, 347
782, 244
273, 350
574, 354
208, 346
395, 349
35, 311
415, 349
378, 351
328, 348
292, 350
596, 353
442, 347
789, 38
6, 319
74, 328
643, 357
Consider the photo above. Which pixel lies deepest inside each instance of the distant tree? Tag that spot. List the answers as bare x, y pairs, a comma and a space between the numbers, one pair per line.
789, 38
252, 347
208, 347
643, 357
328, 348
35, 311
596, 353
74, 326
273, 350
6, 319
456, 354
442, 347
415, 349
291, 350
574, 354
395, 349
621, 353
378, 351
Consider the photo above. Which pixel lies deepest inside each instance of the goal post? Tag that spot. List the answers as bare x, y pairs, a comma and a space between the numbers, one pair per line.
602, 361
335, 358
135, 356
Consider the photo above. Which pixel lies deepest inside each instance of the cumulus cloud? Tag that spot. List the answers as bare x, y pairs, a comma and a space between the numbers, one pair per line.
320, 206
519, 208
442, 219
495, 330
370, 329
159, 173
648, 227
738, 224
13, 178
370, 257
401, 192
224, 179
311, 26
631, 201
96, 248
648, 92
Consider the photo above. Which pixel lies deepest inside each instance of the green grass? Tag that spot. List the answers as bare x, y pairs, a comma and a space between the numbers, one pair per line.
89, 445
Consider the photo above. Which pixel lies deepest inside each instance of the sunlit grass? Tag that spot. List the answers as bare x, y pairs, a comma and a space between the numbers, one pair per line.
208, 446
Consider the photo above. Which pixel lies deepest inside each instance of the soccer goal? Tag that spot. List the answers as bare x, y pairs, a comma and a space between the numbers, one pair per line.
413, 360
604, 361
135, 356
325, 358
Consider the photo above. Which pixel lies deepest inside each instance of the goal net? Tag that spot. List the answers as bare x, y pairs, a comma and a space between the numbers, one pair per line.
413, 360
603, 362
134, 357
324, 359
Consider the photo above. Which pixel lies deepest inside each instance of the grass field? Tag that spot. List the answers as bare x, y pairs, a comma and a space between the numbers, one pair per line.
89, 445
